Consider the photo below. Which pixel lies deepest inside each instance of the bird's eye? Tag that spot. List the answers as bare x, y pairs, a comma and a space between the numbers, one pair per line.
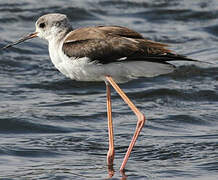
42, 25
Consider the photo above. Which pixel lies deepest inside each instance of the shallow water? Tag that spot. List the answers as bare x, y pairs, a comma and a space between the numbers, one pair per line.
55, 128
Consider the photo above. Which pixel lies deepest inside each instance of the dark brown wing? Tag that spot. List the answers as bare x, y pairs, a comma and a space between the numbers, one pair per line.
106, 44
101, 32
120, 31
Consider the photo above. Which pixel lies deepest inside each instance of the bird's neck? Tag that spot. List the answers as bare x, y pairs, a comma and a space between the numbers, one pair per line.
64, 32
59, 35
55, 46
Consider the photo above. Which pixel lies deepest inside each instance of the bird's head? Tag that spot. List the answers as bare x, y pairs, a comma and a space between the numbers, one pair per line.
49, 27
52, 26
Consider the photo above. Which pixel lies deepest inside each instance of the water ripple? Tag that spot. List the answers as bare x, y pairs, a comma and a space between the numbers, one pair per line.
55, 128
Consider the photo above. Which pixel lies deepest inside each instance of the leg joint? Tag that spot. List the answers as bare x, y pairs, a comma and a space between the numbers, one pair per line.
141, 120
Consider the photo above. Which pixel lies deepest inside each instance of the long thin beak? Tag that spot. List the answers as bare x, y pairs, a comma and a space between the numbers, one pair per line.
29, 36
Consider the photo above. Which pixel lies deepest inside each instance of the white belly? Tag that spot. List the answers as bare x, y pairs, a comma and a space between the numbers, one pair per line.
81, 69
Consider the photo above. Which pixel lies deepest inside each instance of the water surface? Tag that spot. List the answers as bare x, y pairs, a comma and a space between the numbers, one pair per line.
55, 128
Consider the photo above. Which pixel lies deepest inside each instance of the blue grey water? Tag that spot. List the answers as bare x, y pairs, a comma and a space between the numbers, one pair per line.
54, 128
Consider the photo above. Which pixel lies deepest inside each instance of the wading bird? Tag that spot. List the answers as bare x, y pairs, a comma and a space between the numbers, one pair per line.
112, 54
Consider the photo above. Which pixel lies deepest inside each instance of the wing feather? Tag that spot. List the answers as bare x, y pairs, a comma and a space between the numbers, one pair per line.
107, 44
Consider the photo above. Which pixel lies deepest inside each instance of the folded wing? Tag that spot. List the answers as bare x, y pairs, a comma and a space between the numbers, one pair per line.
107, 44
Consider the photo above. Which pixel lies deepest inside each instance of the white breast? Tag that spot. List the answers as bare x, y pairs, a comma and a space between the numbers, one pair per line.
75, 68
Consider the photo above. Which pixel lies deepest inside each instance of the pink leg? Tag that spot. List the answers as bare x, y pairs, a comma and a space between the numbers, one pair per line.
140, 123
110, 154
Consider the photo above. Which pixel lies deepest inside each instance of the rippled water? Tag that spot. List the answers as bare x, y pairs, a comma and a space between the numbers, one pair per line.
55, 128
